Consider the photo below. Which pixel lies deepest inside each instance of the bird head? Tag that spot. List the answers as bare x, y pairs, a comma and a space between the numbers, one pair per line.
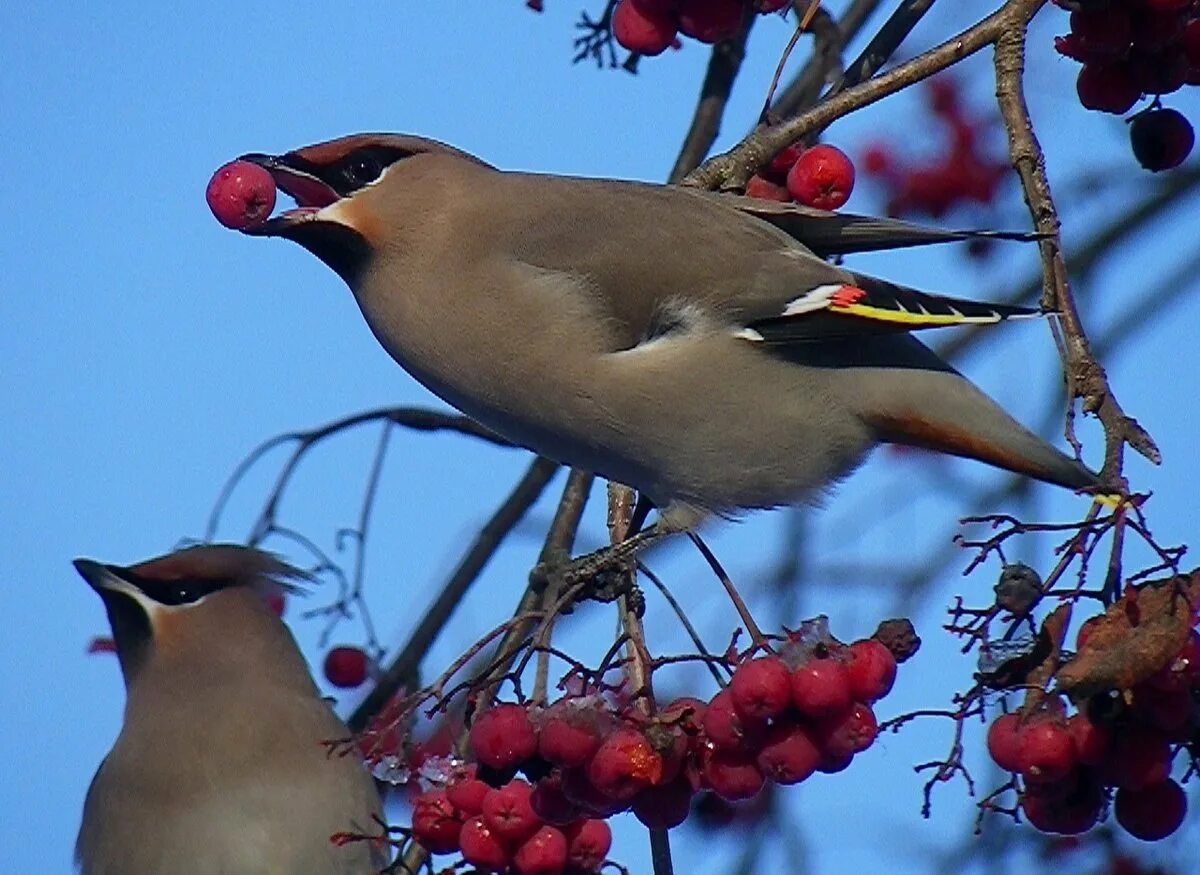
199, 602
345, 193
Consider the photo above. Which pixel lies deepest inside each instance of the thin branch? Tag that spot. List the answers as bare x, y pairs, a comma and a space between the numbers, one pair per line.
403, 669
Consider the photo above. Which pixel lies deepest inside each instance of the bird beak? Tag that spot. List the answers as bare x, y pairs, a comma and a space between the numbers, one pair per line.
296, 178
106, 580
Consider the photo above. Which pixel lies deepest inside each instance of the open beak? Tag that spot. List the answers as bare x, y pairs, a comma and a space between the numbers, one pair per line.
299, 182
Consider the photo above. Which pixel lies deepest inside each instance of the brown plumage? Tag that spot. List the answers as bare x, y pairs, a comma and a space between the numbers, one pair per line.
682, 342
219, 768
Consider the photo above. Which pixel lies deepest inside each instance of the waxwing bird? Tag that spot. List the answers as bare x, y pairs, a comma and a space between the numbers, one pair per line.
693, 345
219, 768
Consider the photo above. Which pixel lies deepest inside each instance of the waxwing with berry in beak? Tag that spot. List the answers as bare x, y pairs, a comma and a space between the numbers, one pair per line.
220, 766
694, 345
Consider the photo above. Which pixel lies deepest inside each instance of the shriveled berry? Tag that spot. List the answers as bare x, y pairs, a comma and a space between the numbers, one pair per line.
241, 194
1046, 751
467, 795
503, 736
482, 847
624, 763
1161, 139
731, 775
789, 754
508, 813
588, 845
434, 822
710, 21
1107, 88
823, 177
346, 667
665, 806
871, 669
642, 30
1152, 813
545, 853
821, 687
761, 689
850, 732
726, 729
687, 712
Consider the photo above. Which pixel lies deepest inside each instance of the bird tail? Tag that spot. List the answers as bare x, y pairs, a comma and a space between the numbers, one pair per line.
940, 410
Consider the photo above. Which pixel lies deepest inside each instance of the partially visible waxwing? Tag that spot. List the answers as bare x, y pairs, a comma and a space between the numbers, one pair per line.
220, 766
696, 346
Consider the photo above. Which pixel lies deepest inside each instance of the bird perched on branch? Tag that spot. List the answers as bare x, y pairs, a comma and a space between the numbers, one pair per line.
219, 768
696, 346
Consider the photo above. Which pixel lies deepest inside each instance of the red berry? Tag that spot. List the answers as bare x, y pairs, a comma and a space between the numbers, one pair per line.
832, 765
346, 667
434, 822
710, 21
241, 194
731, 775
552, 804
482, 847
761, 689
1139, 757
821, 687
1072, 812
503, 736
1046, 751
1090, 740
1161, 139
640, 30
1161, 72
566, 739
507, 812
624, 764
878, 160
1168, 710
728, 731
665, 806
467, 795
783, 162
847, 733
657, 7
545, 853
1107, 88
871, 669
764, 189
588, 845
1004, 742
1152, 813
822, 178
789, 755
1071, 46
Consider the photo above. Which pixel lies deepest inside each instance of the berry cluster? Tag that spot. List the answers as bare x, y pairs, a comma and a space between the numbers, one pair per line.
1131, 48
782, 717
962, 173
821, 177
1068, 765
649, 27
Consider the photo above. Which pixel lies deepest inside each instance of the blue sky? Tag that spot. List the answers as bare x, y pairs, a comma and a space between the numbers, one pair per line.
145, 349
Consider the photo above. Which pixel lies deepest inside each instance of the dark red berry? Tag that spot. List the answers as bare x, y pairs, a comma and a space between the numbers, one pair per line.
871, 669
241, 194
1152, 813
823, 178
482, 847
1104, 31
1073, 811
503, 736
588, 844
731, 775
545, 853
761, 689
1139, 757
1004, 742
789, 754
434, 822
346, 667
1107, 88
551, 803
641, 30
665, 806
710, 21
821, 687
1161, 139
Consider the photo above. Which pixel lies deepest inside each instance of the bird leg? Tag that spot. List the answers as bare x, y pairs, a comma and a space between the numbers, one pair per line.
602, 574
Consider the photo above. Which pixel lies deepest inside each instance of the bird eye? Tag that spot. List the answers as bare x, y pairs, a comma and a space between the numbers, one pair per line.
181, 592
362, 169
